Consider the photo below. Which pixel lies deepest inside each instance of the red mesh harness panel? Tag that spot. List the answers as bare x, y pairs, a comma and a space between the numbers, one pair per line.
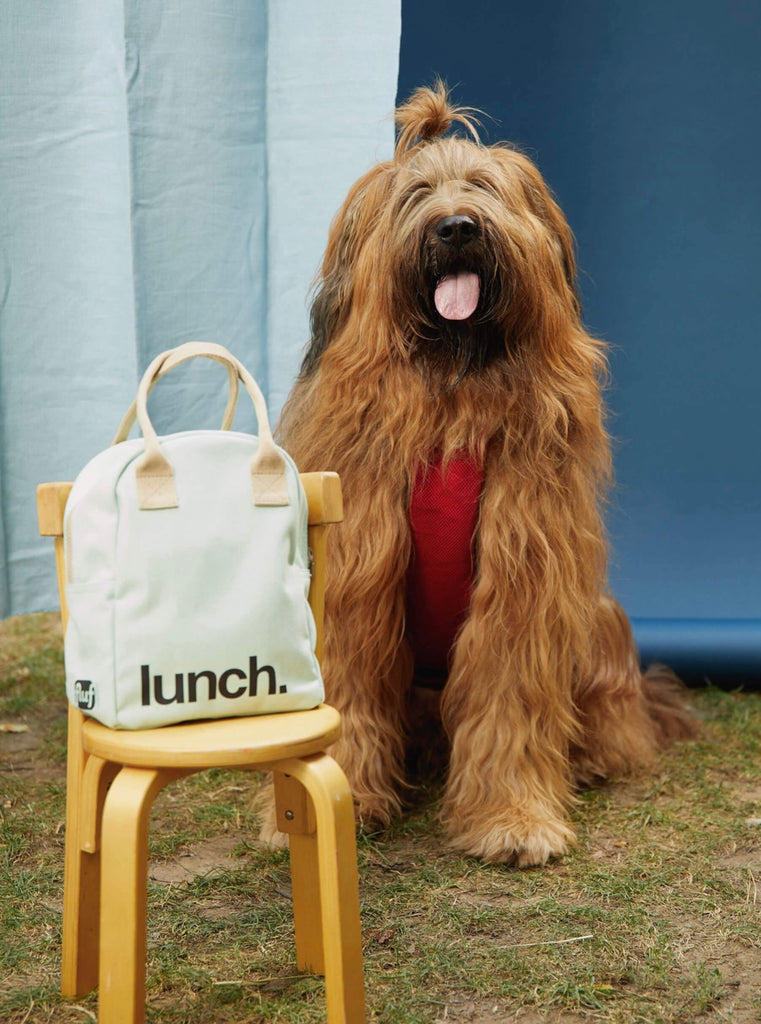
443, 514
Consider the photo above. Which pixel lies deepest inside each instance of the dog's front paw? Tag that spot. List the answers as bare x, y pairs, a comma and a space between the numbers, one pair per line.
523, 844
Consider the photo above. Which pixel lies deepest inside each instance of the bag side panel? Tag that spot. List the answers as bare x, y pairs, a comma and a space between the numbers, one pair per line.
90, 528
89, 650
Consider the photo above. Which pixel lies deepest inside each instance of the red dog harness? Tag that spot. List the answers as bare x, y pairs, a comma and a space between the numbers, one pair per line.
443, 517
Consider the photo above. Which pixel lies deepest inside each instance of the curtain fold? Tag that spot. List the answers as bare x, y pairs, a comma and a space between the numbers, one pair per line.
168, 172
67, 323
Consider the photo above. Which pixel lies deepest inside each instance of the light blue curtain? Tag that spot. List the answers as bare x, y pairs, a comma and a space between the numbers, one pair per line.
168, 171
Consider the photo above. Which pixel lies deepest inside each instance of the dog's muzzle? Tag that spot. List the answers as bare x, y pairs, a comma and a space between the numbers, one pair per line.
457, 293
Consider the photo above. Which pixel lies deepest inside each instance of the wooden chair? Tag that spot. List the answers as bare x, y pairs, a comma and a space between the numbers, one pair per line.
113, 777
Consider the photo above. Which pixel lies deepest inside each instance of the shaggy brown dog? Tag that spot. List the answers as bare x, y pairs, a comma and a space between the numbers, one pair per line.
449, 366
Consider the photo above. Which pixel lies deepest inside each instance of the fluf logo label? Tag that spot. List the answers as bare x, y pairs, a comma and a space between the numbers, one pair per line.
84, 694
232, 683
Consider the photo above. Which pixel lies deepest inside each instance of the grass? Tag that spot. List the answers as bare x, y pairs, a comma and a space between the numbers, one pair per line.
654, 917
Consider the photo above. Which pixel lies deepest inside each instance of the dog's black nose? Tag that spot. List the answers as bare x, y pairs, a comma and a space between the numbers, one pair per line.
457, 231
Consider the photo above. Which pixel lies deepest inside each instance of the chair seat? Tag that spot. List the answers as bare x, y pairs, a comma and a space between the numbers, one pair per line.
224, 743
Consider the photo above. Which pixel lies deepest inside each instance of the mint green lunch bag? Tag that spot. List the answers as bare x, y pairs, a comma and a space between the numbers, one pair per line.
188, 571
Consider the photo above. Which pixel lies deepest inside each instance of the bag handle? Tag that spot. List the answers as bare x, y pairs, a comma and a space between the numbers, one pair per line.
154, 473
130, 415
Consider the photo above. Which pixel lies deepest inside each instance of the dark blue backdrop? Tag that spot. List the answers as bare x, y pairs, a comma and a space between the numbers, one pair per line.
644, 118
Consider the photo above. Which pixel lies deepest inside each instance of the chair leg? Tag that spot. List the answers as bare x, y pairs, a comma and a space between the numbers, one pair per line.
295, 816
339, 893
81, 911
81, 881
124, 880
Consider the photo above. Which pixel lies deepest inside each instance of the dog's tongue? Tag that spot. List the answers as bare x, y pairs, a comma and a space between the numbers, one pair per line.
456, 295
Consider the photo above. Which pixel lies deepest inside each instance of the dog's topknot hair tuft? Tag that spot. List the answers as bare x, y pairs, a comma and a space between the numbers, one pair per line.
427, 114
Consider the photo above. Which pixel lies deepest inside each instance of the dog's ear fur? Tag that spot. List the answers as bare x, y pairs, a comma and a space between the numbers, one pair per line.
428, 114
350, 230
565, 243
541, 201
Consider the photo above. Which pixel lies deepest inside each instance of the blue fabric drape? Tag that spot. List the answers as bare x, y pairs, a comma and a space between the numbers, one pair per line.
167, 172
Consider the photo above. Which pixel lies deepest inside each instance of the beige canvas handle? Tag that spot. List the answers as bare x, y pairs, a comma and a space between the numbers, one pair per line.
154, 473
130, 415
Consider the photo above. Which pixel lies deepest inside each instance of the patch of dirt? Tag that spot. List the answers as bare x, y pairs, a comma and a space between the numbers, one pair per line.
496, 900
20, 755
487, 1011
609, 849
749, 859
13, 745
208, 857
630, 792
747, 792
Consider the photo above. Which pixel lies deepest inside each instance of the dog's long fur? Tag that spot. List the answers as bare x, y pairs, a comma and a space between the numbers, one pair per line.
544, 687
